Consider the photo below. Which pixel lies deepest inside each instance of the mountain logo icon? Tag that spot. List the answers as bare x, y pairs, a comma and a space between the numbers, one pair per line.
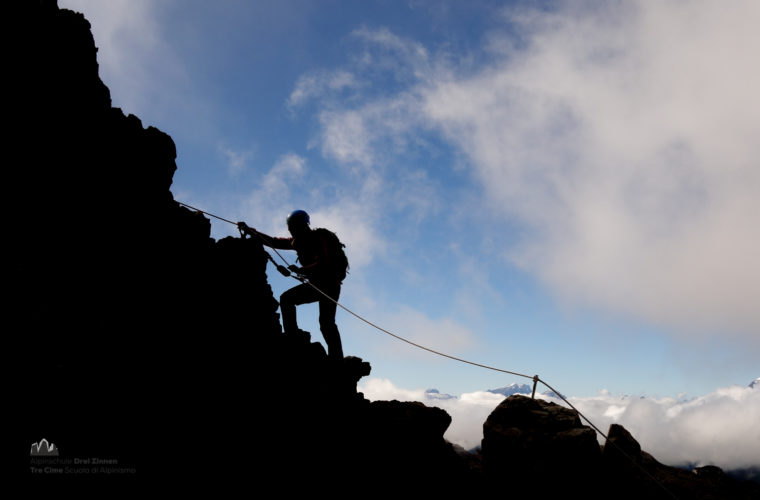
43, 448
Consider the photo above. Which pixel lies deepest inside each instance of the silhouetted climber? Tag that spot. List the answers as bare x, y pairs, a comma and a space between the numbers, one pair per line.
323, 262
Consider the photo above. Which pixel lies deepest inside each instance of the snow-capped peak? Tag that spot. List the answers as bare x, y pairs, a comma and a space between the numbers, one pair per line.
512, 389
436, 394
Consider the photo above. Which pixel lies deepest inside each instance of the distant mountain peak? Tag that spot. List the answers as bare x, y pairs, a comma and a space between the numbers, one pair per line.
515, 388
512, 389
755, 384
436, 394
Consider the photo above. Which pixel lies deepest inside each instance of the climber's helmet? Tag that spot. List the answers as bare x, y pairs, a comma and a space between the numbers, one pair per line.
298, 220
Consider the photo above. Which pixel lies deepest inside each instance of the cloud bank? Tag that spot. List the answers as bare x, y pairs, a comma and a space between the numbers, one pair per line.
623, 137
719, 428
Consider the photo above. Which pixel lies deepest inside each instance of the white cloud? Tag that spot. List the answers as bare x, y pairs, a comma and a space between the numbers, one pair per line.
440, 334
719, 428
355, 125
468, 412
370, 135
345, 137
137, 64
384, 51
289, 168
263, 208
317, 84
625, 139
377, 389
237, 161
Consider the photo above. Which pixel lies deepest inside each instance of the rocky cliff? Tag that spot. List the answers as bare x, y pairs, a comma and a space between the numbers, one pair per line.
134, 339
138, 338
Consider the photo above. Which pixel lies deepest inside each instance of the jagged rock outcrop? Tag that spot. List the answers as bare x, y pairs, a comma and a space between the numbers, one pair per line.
639, 475
532, 439
138, 337
546, 450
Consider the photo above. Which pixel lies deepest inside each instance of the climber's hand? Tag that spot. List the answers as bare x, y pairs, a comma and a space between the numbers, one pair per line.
283, 270
294, 268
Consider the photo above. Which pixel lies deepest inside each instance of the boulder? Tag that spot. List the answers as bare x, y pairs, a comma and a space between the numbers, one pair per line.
621, 449
637, 474
532, 440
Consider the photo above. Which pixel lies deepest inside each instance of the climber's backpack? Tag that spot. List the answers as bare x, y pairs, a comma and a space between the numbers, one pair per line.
337, 260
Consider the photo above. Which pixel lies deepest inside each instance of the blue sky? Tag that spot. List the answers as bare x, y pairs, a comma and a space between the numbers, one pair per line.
566, 189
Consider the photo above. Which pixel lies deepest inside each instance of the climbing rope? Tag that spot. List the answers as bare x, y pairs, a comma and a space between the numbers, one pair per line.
234, 224
535, 378
303, 280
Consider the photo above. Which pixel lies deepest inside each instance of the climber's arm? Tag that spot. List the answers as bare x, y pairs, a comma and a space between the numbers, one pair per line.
270, 241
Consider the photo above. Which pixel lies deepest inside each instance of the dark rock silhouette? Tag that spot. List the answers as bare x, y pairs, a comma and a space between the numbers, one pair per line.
534, 439
168, 349
640, 475
542, 443
160, 348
